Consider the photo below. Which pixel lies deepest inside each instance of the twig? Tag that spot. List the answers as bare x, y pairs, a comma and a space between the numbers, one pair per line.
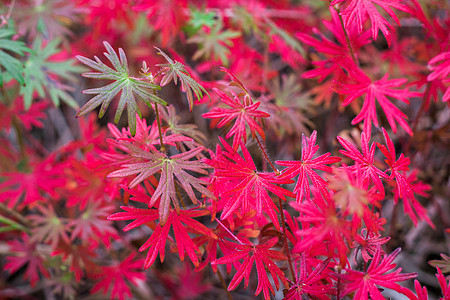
285, 242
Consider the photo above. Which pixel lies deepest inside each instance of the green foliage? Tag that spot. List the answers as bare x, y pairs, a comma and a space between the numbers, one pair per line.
201, 18
44, 76
11, 64
124, 83
175, 70
213, 43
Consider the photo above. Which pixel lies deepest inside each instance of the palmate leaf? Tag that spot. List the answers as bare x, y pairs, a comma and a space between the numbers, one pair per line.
182, 223
11, 64
214, 43
201, 18
174, 171
175, 70
357, 12
124, 83
306, 167
263, 257
44, 76
249, 187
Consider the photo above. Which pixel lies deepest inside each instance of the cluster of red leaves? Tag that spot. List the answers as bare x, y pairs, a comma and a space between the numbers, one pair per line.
225, 207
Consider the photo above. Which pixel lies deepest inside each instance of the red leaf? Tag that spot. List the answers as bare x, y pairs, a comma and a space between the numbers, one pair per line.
241, 186
263, 258
306, 166
244, 112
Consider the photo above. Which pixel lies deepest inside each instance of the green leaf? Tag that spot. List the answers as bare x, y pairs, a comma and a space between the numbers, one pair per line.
175, 70
214, 43
11, 64
201, 18
45, 77
125, 84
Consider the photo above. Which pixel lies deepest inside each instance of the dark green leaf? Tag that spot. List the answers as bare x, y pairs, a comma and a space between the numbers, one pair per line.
11, 64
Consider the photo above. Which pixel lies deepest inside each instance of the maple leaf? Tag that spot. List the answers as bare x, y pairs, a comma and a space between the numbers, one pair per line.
146, 136
240, 226
199, 18
365, 160
166, 16
307, 285
306, 166
28, 118
47, 19
404, 191
368, 243
124, 83
323, 226
290, 49
263, 258
91, 224
287, 106
440, 67
365, 283
248, 185
378, 91
244, 111
79, 256
336, 50
443, 263
359, 11
113, 277
49, 228
174, 167
87, 183
25, 253
42, 75
157, 241
106, 19
175, 126
26, 187
445, 287
214, 42
350, 194
175, 70
422, 293
11, 64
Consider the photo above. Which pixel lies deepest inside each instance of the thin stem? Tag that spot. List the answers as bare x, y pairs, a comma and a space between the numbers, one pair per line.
158, 120
392, 229
19, 135
418, 115
264, 152
16, 125
4, 19
224, 285
280, 203
285, 242
8, 15
338, 291
232, 234
15, 215
347, 39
